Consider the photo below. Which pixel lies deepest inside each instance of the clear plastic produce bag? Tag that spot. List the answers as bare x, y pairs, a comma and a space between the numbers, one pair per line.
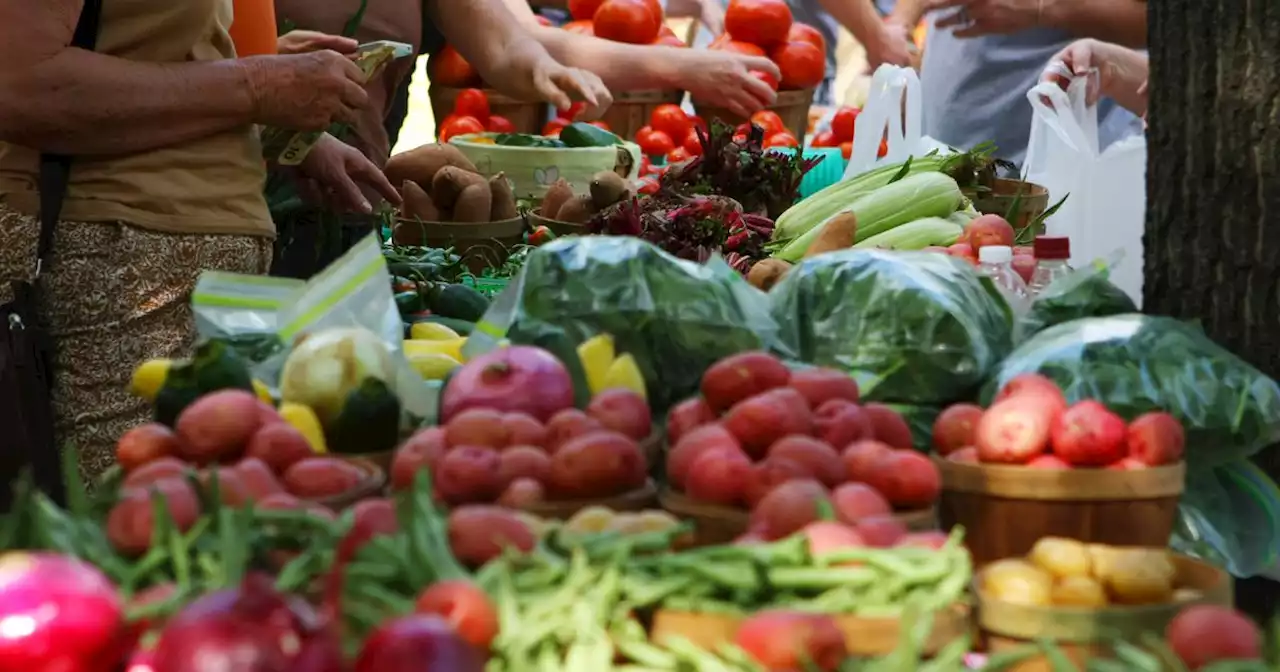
913, 327
1230, 515
675, 317
1085, 292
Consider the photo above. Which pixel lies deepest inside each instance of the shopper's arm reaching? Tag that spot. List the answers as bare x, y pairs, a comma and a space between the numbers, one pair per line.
885, 42
1119, 21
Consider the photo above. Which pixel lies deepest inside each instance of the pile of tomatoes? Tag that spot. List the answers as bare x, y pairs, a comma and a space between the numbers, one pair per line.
841, 133
765, 28
629, 21
565, 117
471, 115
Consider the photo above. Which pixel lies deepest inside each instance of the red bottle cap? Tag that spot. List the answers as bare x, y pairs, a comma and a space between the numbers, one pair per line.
1052, 247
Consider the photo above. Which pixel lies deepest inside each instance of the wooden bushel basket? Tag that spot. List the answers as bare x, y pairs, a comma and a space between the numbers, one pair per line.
631, 110
1005, 510
558, 227
481, 245
526, 117
792, 106
1032, 200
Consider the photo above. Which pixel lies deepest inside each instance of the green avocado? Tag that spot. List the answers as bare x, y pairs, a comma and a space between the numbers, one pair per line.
369, 421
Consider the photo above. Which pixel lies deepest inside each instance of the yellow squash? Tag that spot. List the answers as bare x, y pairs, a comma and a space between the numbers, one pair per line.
305, 420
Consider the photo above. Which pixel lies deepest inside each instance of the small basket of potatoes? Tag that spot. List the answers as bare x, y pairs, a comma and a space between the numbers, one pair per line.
567, 213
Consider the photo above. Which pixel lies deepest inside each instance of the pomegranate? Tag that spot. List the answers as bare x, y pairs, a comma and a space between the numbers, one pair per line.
67, 615
518, 378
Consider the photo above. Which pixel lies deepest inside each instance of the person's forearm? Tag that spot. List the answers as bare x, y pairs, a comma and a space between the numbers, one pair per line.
907, 12
79, 102
858, 17
1120, 21
481, 30
622, 67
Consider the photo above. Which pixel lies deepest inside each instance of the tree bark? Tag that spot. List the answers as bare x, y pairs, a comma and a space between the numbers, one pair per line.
1212, 243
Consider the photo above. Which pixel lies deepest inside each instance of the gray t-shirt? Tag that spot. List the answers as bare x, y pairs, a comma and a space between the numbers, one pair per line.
975, 90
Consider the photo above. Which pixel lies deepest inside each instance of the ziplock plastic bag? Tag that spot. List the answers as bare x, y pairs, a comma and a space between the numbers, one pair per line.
1085, 292
1137, 363
893, 109
912, 327
1230, 516
675, 317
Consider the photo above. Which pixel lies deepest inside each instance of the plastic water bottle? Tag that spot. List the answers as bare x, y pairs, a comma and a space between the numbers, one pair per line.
996, 262
1052, 254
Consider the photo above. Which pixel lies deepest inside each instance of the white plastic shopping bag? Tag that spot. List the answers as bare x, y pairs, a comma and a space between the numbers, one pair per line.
893, 103
1105, 189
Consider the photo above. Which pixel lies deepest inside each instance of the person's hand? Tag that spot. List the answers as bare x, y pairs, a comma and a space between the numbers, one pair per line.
304, 92
304, 41
727, 78
527, 72
972, 18
893, 46
333, 173
1121, 72
709, 12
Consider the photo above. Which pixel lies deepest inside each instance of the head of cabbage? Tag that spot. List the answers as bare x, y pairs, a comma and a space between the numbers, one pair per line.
326, 366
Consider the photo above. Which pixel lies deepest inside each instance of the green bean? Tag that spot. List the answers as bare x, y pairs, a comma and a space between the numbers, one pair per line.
738, 657
1056, 657
702, 660
646, 654
1136, 657
819, 578
1006, 660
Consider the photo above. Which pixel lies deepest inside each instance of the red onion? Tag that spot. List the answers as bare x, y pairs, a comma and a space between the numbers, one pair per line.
417, 643
253, 628
58, 614
516, 378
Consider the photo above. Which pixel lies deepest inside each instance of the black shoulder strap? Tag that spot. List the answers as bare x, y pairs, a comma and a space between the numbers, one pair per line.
55, 169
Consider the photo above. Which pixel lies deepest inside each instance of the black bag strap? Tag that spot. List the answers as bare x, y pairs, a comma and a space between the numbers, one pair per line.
55, 169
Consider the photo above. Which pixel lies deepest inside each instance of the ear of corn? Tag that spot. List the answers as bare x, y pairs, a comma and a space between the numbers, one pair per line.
915, 235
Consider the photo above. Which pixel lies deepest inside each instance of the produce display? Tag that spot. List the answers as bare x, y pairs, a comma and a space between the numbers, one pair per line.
1067, 572
471, 114
766, 28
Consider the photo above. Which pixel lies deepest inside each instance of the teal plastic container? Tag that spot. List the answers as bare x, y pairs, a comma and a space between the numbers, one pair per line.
828, 171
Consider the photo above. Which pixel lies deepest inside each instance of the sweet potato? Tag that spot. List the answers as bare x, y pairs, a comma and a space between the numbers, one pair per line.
766, 273
576, 210
504, 199
607, 188
837, 234
474, 204
422, 163
448, 184
557, 195
417, 203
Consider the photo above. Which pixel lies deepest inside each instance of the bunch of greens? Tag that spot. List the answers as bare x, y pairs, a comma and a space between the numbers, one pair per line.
913, 327
690, 228
1086, 292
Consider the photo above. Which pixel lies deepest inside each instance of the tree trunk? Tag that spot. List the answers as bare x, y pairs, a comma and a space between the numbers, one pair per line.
1213, 186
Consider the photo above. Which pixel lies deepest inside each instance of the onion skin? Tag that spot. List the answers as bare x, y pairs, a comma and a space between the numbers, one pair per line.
418, 643
60, 615
516, 378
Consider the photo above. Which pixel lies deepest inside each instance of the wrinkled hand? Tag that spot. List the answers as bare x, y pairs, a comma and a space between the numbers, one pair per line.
333, 173
528, 72
304, 41
894, 47
709, 12
1121, 72
728, 79
304, 92
972, 18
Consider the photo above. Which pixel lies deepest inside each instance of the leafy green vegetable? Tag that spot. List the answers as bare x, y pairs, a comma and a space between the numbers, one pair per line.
527, 140
1087, 292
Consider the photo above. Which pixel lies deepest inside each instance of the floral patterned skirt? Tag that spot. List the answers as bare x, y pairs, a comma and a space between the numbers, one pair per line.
114, 295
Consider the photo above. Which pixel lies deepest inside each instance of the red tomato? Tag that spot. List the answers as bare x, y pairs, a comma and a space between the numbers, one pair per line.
691, 143
670, 119
803, 65
601, 124
472, 103
825, 139
761, 22
677, 155
460, 126
884, 148
583, 10
580, 27
449, 68
630, 21
653, 142
769, 121
498, 124
734, 46
698, 122
783, 139
646, 166
767, 78
843, 122
467, 609
803, 32
572, 113
553, 127
648, 186
742, 132
846, 150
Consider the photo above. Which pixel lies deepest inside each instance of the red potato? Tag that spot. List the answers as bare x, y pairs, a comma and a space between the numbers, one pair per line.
1128, 464
988, 230
423, 450
523, 462
268, 414
232, 490
956, 427
467, 609
218, 426
825, 536
881, 531
1014, 431
568, 425
130, 522
1048, 462
818, 386
889, 426
718, 476
686, 416
932, 539
1205, 634
909, 480
963, 250
259, 481
818, 458
1089, 435
857, 501
283, 501
156, 470
769, 474
681, 457
144, 444
968, 454
760, 421
477, 427
468, 475
792, 640
318, 477
599, 464
861, 457
371, 518
1034, 384
840, 422
524, 430
279, 445
739, 377
788, 508
522, 493
622, 411
479, 533
1156, 439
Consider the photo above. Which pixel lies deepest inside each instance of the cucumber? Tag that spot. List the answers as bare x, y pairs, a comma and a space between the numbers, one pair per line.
369, 421
579, 134
457, 301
